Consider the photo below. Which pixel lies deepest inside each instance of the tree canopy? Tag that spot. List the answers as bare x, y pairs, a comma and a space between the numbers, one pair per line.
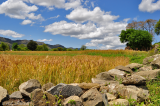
14, 46
4, 46
136, 38
147, 25
32, 45
157, 28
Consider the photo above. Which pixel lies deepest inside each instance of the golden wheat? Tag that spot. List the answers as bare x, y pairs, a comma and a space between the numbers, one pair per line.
16, 69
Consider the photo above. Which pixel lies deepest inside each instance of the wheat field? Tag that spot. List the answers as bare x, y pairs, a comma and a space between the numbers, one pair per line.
16, 69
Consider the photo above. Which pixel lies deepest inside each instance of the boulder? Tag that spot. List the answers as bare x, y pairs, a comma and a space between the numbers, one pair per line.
73, 101
47, 86
104, 82
125, 69
16, 95
110, 97
156, 63
92, 98
42, 99
134, 80
132, 92
145, 68
148, 60
132, 66
87, 86
142, 95
151, 74
3, 94
112, 74
65, 90
156, 48
27, 87
122, 102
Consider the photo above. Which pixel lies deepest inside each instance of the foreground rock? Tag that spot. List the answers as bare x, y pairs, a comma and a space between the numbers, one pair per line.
92, 98
3, 94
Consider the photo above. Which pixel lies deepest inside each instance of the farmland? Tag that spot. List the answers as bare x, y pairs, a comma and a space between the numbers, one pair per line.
67, 67
58, 66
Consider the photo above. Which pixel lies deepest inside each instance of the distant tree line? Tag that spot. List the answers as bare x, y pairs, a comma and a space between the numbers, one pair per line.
33, 46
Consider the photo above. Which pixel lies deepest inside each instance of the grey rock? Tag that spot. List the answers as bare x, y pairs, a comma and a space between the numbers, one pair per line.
145, 68
16, 95
65, 90
92, 98
148, 60
27, 87
87, 86
132, 66
151, 74
3, 93
76, 101
39, 98
134, 80
104, 82
122, 102
47, 86
125, 69
110, 97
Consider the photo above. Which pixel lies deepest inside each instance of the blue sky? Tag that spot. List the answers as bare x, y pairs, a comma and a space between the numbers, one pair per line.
73, 23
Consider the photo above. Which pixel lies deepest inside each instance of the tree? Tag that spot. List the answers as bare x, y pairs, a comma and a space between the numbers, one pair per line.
39, 48
60, 48
83, 47
147, 25
14, 46
136, 38
45, 47
157, 28
64, 49
4, 46
32, 45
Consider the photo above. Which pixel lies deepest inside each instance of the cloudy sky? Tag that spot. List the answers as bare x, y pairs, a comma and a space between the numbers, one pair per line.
73, 23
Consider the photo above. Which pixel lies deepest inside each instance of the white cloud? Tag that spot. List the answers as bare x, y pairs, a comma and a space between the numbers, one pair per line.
100, 28
149, 6
57, 3
44, 40
72, 4
82, 15
54, 17
25, 22
92, 3
86, 2
11, 33
48, 3
51, 8
111, 42
18, 9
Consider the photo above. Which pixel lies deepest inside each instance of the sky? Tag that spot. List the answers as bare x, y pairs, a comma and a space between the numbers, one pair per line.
96, 24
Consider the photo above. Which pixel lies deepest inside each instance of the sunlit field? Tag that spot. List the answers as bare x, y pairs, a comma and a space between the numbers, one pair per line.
67, 67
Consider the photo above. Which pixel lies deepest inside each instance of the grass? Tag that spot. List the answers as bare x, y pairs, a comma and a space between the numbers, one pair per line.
67, 67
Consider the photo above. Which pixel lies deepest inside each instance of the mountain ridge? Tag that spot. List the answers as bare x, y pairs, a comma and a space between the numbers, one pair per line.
25, 42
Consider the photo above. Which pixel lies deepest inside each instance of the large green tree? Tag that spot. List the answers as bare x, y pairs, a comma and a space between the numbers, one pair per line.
147, 25
15, 46
157, 28
32, 45
136, 38
4, 46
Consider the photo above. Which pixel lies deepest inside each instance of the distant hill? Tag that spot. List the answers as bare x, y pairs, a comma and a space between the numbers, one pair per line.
25, 42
